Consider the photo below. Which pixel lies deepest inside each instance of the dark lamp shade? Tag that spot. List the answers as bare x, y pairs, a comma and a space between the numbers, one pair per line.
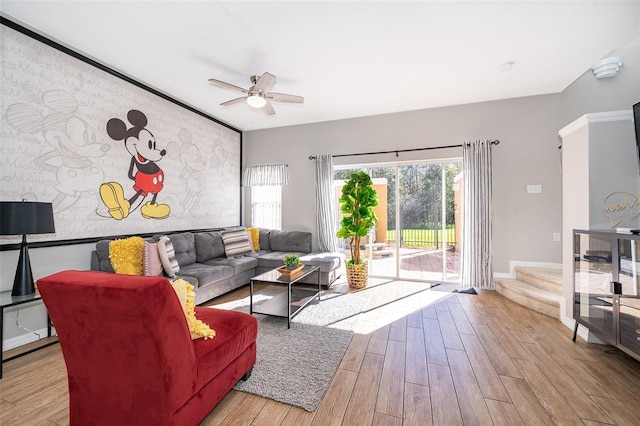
26, 217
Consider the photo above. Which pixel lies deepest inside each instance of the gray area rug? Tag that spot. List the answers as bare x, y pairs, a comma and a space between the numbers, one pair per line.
296, 365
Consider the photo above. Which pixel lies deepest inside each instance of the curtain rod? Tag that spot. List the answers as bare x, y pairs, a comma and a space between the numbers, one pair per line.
397, 151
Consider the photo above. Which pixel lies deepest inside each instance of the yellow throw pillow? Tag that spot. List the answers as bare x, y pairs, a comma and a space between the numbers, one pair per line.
127, 256
255, 238
187, 298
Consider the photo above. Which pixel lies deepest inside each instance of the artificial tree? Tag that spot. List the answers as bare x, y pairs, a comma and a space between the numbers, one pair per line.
358, 218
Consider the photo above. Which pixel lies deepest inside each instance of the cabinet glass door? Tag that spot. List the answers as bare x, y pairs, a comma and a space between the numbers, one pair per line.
593, 302
629, 278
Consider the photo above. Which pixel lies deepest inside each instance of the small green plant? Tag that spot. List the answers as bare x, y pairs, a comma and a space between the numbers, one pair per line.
291, 260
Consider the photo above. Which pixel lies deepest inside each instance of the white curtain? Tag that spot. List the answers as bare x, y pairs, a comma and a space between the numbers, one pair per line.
477, 246
325, 204
266, 175
266, 183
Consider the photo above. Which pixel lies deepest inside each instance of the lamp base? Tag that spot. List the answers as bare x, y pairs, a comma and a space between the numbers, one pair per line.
23, 281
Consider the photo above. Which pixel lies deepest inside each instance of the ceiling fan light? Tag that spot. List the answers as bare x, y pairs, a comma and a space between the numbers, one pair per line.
256, 101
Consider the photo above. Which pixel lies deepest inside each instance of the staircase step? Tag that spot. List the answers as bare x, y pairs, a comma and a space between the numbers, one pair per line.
547, 279
532, 297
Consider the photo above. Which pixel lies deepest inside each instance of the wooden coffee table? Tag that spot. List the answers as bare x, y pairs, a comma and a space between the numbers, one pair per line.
292, 300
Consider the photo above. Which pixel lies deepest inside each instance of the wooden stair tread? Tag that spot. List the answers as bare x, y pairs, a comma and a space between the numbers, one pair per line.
529, 296
551, 275
546, 279
528, 290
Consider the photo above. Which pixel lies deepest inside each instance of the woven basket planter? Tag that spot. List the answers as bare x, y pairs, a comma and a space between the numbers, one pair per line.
357, 275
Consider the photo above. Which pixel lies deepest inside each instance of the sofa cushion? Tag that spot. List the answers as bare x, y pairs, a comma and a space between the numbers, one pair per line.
235, 333
167, 254
291, 241
191, 279
187, 298
209, 245
236, 243
264, 239
239, 264
127, 255
151, 258
326, 261
274, 259
185, 246
205, 274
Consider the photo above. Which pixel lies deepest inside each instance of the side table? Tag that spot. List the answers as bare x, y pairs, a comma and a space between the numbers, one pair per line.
7, 301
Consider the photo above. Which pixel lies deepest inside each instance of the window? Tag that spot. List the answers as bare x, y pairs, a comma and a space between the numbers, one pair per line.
266, 207
266, 183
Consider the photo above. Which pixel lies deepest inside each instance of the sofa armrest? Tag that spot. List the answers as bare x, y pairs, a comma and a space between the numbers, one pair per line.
95, 263
101, 254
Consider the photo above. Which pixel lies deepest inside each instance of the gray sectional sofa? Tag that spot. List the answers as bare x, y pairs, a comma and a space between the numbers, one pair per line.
203, 262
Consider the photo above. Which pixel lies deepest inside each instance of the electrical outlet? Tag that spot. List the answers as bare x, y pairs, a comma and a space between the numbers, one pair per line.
556, 236
534, 189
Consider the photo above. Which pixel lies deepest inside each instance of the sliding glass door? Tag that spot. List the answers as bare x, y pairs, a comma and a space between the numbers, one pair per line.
417, 236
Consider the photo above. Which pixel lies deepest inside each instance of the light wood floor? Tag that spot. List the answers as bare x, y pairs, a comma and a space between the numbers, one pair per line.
419, 357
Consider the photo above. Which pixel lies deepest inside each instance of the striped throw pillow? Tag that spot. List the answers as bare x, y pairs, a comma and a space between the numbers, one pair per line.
168, 256
236, 243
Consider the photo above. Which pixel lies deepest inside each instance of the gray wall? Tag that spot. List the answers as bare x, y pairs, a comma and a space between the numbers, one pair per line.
588, 94
527, 154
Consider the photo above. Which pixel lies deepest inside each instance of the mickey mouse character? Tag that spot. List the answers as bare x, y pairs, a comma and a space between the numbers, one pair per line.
149, 178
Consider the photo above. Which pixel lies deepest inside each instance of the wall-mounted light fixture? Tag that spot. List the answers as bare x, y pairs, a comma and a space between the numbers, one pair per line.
607, 67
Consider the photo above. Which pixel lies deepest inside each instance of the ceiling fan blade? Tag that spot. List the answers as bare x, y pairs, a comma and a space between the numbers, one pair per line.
234, 101
228, 86
265, 82
268, 109
283, 97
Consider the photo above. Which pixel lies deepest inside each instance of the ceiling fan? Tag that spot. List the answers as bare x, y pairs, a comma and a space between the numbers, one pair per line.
259, 95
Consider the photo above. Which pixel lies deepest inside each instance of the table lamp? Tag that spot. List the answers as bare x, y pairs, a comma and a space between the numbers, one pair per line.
22, 218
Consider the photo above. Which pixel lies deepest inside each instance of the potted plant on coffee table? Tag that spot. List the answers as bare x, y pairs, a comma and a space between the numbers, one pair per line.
291, 261
358, 218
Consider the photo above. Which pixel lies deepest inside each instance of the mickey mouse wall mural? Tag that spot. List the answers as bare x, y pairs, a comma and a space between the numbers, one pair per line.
144, 171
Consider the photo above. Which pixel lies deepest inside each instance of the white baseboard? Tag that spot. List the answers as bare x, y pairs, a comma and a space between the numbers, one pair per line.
23, 339
497, 275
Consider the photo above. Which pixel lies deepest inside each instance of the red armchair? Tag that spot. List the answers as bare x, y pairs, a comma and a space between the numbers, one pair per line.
129, 355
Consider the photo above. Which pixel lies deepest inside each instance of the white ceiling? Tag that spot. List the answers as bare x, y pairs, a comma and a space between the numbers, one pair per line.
348, 59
